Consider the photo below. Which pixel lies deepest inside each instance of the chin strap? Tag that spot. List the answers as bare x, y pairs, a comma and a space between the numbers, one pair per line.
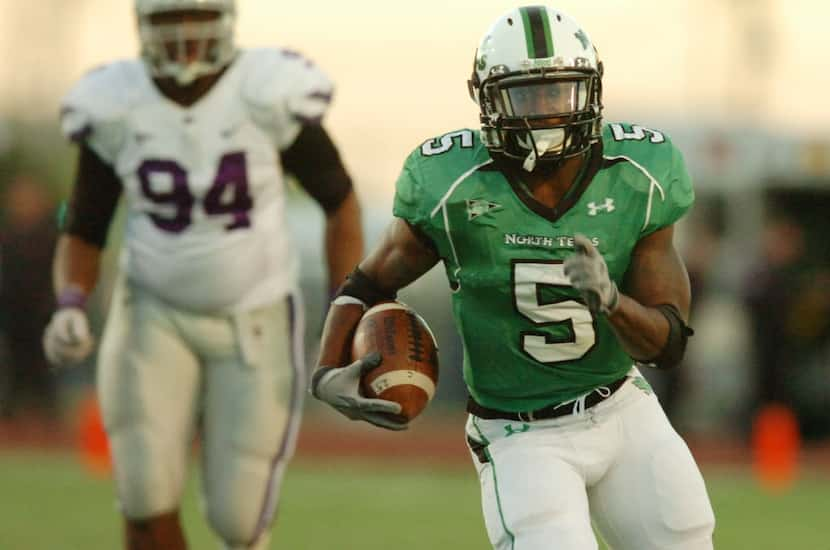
539, 148
538, 145
530, 162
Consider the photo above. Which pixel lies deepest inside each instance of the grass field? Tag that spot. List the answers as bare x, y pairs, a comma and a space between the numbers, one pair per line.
49, 503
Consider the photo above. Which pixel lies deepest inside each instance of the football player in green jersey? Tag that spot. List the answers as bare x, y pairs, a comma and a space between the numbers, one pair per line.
555, 230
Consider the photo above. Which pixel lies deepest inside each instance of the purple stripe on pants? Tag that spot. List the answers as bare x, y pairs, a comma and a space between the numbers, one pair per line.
269, 504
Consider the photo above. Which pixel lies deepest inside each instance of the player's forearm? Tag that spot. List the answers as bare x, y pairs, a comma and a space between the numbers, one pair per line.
642, 331
75, 266
398, 260
335, 343
343, 240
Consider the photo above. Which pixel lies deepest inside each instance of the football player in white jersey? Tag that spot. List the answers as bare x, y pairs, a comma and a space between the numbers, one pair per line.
204, 328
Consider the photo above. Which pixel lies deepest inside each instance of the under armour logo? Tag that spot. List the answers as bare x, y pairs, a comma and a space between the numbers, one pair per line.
511, 430
594, 208
480, 207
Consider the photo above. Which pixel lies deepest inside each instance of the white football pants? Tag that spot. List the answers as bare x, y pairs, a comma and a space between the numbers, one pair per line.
164, 374
620, 463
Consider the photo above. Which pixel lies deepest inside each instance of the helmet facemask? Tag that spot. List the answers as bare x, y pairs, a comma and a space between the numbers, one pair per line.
540, 116
192, 47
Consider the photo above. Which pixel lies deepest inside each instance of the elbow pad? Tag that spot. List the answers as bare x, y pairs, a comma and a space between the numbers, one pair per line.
361, 287
675, 347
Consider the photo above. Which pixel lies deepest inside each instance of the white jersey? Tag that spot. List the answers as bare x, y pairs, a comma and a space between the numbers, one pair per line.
204, 190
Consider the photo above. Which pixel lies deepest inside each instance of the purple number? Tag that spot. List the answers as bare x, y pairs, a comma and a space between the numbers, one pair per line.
178, 196
229, 192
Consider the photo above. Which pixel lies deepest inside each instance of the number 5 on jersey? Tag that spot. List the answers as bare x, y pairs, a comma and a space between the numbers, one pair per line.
530, 278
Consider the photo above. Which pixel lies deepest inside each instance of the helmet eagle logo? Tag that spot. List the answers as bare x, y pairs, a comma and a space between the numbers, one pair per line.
583, 38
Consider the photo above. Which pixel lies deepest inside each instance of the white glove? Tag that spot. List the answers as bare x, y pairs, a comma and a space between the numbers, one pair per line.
67, 339
589, 275
340, 388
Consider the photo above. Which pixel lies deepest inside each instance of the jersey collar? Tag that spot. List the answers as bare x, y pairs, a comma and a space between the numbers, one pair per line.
512, 175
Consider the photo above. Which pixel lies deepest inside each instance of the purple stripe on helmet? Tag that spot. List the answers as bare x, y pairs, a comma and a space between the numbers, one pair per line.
269, 505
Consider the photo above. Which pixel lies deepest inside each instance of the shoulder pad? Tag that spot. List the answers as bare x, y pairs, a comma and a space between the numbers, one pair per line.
93, 111
463, 142
651, 151
284, 91
433, 168
447, 153
634, 140
664, 182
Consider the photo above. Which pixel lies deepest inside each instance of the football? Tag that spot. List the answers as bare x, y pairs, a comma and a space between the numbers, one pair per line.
408, 372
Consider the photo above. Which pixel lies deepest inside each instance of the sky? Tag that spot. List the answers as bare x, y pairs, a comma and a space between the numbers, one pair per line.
401, 67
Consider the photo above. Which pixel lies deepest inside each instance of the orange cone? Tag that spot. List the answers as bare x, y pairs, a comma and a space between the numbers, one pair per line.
776, 443
92, 438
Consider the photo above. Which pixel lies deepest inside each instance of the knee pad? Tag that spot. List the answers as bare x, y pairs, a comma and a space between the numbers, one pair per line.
145, 487
240, 524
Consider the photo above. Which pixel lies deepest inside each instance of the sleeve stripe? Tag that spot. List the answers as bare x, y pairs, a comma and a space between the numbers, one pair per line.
442, 206
455, 184
653, 184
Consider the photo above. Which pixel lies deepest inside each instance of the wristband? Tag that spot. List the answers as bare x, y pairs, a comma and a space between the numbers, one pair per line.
362, 287
72, 297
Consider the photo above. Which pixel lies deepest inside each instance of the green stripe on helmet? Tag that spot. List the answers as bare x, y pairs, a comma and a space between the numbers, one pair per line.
538, 37
531, 51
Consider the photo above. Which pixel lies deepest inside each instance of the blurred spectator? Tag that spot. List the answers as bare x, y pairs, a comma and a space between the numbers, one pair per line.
27, 242
788, 299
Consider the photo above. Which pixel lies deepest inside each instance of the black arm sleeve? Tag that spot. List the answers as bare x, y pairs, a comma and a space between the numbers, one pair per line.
679, 332
314, 159
94, 199
364, 288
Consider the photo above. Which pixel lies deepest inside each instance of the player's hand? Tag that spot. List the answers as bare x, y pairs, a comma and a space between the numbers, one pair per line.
67, 339
340, 388
589, 275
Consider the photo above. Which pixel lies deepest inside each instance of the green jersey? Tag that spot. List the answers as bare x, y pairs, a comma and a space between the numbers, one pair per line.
529, 339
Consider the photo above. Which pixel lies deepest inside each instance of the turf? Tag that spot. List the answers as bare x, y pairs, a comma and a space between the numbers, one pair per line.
50, 503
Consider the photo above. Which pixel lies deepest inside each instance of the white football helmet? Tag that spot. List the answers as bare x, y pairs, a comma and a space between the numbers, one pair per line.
186, 51
538, 83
